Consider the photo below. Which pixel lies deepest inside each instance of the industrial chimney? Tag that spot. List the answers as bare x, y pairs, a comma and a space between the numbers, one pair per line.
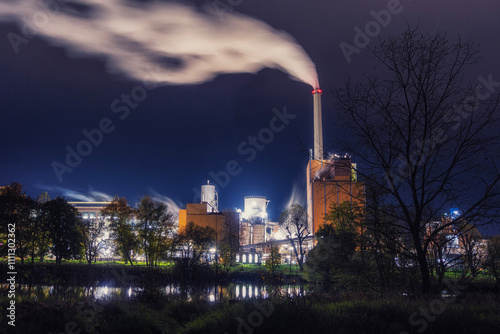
318, 125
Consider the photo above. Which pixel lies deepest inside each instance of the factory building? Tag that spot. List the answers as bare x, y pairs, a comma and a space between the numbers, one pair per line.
255, 225
92, 212
207, 213
197, 214
329, 181
89, 210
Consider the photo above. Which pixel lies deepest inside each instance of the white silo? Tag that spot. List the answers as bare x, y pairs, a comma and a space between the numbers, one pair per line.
255, 207
210, 196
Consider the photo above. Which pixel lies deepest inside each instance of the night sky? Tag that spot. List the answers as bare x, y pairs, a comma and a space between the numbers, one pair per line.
170, 141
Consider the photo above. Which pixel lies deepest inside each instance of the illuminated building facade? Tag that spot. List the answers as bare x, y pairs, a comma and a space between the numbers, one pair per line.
330, 182
255, 226
92, 212
200, 215
89, 210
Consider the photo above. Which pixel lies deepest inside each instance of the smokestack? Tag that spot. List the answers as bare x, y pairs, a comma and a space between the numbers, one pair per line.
318, 125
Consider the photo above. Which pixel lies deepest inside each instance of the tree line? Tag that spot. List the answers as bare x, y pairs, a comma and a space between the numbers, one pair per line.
46, 226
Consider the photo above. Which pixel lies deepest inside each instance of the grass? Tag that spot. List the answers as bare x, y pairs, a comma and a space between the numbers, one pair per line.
83, 262
255, 268
475, 313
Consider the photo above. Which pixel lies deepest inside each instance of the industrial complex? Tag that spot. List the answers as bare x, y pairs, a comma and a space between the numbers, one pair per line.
329, 181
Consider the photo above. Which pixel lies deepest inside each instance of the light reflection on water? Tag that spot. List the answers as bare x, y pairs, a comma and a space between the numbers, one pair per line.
212, 293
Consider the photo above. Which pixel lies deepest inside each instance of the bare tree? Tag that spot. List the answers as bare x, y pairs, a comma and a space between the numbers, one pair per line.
94, 241
293, 224
422, 138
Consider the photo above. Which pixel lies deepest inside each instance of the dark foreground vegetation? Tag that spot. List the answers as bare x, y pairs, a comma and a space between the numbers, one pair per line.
359, 313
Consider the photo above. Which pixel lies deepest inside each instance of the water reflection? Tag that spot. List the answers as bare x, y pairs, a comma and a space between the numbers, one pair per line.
212, 293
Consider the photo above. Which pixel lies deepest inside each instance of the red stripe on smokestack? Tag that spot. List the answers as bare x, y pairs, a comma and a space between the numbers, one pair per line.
318, 125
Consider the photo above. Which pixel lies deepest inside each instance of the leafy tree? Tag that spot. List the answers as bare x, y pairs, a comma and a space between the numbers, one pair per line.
423, 138
274, 260
492, 261
383, 238
191, 244
63, 227
320, 266
40, 233
119, 214
16, 210
230, 242
155, 225
293, 224
339, 258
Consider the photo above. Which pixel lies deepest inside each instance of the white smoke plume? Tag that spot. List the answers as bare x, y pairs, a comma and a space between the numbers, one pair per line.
91, 196
172, 206
297, 195
168, 43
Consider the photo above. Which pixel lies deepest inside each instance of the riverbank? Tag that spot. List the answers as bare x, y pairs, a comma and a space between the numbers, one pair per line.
120, 275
